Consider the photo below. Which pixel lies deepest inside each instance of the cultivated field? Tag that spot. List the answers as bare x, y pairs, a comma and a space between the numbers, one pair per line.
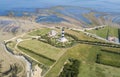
105, 32
41, 49
40, 32
86, 54
88, 67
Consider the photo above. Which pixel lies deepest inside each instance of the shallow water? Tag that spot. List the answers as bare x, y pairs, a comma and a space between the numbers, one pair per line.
50, 19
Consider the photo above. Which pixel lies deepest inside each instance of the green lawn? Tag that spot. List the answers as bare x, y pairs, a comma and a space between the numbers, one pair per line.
11, 44
86, 54
43, 48
39, 58
88, 68
106, 31
80, 52
41, 32
110, 59
117, 50
80, 35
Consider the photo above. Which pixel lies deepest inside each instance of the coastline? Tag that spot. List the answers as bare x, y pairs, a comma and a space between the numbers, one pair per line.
21, 57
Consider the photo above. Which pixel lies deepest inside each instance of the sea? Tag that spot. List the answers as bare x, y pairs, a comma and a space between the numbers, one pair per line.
112, 7
99, 5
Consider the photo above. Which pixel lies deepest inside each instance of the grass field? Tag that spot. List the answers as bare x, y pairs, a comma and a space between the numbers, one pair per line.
116, 50
40, 32
105, 32
11, 45
88, 68
86, 54
37, 57
108, 58
80, 35
43, 48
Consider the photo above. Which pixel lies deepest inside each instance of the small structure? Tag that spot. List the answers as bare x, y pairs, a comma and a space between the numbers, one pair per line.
113, 39
52, 33
62, 39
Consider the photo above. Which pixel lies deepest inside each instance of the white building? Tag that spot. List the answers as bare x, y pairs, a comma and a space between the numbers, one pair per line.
52, 33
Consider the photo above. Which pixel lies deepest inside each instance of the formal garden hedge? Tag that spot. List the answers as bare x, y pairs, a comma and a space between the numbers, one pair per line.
71, 68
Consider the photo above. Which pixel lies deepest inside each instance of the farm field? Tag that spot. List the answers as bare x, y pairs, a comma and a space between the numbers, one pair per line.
43, 48
106, 31
88, 68
109, 58
80, 35
56, 57
40, 32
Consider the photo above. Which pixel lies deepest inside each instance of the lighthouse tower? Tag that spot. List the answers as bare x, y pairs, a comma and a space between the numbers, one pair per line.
63, 39
63, 33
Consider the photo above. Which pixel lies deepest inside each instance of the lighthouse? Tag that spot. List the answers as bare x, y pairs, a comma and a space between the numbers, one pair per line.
63, 33
63, 39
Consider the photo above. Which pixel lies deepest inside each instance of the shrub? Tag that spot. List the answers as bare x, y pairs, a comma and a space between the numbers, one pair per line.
71, 69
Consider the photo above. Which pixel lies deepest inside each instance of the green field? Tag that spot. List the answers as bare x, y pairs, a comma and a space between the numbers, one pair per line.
88, 68
40, 58
109, 58
105, 32
80, 35
112, 49
43, 48
41, 51
40, 32
86, 54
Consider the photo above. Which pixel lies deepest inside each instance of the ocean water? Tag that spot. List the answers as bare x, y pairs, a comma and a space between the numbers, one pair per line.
50, 19
112, 6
